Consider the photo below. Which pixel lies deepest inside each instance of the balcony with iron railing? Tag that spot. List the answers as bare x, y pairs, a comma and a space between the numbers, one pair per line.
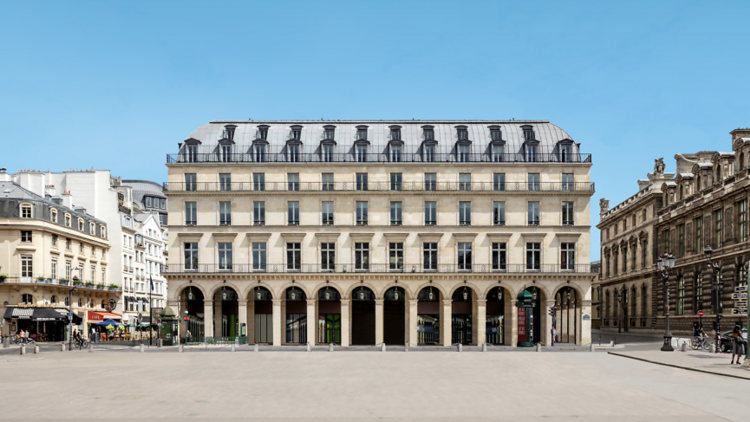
50, 280
385, 186
374, 268
189, 157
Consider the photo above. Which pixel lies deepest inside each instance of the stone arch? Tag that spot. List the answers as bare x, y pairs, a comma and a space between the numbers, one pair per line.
251, 288
220, 285
539, 286
178, 290
473, 287
281, 292
323, 285
574, 286
409, 293
434, 286
506, 286
350, 290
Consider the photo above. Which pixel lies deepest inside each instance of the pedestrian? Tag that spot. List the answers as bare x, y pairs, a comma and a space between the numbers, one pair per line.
93, 335
187, 336
27, 336
737, 343
553, 335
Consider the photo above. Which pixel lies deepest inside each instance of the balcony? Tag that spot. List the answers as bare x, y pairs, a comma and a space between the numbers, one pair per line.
55, 281
473, 187
250, 158
375, 268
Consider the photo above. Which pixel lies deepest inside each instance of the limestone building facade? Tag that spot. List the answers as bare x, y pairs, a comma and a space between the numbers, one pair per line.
369, 232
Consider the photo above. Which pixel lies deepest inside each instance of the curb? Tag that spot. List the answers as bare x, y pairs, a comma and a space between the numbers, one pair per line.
681, 367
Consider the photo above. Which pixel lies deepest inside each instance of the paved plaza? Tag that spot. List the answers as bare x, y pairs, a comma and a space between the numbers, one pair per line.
118, 383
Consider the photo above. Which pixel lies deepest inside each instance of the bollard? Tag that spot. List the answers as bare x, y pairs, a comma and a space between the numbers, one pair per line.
612, 343
91, 347
712, 348
406, 346
683, 347
142, 349
330, 347
181, 348
382, 347
591, 348
6, 342
460, 347
158, 343
484, 346
23, 349
36, 350
539, 347
232, 347
308, 346
62, 347
256, 347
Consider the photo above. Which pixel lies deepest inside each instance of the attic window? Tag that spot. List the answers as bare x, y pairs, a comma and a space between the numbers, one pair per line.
395, 133
92, 228
528, 133
296, 133
229, 132
428, 133
80, 224
26, 211
67, 220
463, 133
361, 133
329, 133
263, 132
104, 235
495, 134
53, 215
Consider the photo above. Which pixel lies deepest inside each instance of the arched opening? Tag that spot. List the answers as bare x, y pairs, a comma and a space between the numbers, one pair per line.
192, 302
226, 314
428, 316
27, 299
495, 326
536, 329
262, 315
394, 316
329, 316
566, 317
296, 315
363, 316
462, 311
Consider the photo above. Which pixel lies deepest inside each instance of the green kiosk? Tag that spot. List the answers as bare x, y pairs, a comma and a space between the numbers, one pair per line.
525, 305
168, 327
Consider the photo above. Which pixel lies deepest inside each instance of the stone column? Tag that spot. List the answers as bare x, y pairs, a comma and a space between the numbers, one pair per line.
345, 322
378, 321
547, 335
584, 327
446, 325
208, 318
250, 316
312, 321
413, 322
511, 323
242, 316
218, 326
480, 325
278, 327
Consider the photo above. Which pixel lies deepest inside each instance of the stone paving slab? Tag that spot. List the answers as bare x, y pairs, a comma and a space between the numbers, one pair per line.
693, 360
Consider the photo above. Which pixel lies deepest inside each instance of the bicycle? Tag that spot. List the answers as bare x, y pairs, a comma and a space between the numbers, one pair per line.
82, 343
700, 342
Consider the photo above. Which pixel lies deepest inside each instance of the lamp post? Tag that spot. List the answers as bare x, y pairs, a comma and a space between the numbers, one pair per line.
71, 289
619, 312
665, 264
715, 295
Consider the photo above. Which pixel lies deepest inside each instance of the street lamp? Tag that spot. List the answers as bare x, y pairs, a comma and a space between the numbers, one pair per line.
619, 312
665, 264
715, 295
71, 289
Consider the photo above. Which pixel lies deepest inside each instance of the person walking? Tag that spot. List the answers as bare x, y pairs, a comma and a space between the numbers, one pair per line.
737, 344
554, 335
187, 336
20, 337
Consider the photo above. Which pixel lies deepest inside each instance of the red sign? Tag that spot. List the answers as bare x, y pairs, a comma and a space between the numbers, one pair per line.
521, 324
700, 313
187, 318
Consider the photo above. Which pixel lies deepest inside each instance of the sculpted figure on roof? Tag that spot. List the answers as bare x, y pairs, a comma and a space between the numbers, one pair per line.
659, 166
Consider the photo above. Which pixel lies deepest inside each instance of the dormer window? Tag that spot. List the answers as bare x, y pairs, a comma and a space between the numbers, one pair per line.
67, 220
80, 224
361, 144
528, 133
25, 210
463, 133
229, 132
495, 134
263, 132
530, 145
190, 152
565, 151
329, 133
361, 133
428, 133
259, 152
92, 229
327, 153
297, 133
497, 145
104, 235
395, 133
53, 215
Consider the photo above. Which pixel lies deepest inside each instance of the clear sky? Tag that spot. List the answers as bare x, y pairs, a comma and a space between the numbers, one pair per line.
117, 84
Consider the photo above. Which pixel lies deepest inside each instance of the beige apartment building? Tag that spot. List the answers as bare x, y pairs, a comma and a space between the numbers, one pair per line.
370, 232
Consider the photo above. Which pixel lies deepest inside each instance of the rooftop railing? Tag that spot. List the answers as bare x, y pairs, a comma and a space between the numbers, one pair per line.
254, 157
375, 268
379, 186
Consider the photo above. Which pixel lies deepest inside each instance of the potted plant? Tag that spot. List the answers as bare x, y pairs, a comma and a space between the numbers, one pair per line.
48, 280
100, 286
89, 284
64, 282
114, 287
2, 278
40, 280
77, 283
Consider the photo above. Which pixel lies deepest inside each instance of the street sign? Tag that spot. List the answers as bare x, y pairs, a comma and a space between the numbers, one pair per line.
739, 311
700, 313
740, 304
739, 296
740, 289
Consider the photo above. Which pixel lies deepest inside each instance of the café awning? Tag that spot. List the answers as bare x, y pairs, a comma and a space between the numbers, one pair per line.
40, 314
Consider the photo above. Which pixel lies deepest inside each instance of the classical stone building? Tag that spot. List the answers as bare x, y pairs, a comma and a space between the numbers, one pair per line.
364, 232
596, 296
51, 252
705, 205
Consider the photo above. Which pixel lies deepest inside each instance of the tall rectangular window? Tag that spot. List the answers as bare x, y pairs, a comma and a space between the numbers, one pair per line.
396, 256
567, 182
430, 181
361, 213
533, 184
225, 182
225, 213
26, 236
741, 220
698, 224
190, 182
259, 181
497, 153
396, 153
225, 256
498, 213
568, 256
499, 256
294, 153
327, 179
292, 181
463, 153
328, 153
362, 256
327, 256
361, 181
54, 270
395, 213
464, 213
430, 258
681, 295
259, 213
68, 270
718, 239
429, 153
698, 297
292, 213
27, 268
395, 181
533, 256
293, 256
361, 153
532, 153
191, 256
191, 213
565, 155
498, 181
533, 213
464, 256
567, 213
464, 181
680, 241
192, 153
430, 213
327, 213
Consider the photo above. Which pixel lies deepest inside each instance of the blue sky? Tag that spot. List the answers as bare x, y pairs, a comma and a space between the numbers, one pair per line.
117, 84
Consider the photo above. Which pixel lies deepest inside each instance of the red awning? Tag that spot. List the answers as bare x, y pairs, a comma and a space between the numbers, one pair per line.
101, 316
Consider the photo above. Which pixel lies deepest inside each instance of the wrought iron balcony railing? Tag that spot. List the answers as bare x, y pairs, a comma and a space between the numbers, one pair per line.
254, 157
373, 268
380, 187
56, 281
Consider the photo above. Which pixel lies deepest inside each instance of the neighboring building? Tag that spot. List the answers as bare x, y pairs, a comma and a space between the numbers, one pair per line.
596, 296
367, 232
52, 251
706, 205
628, 259
148, 197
